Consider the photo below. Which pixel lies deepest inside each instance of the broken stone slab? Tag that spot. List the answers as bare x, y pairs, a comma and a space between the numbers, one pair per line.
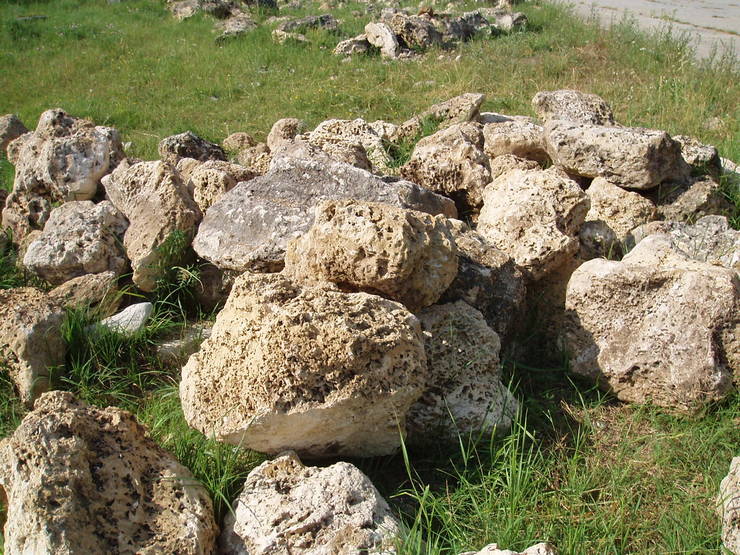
517, 137
286, 507
79, 479
273, 376
575, 106
703, 159
189, 145
249, 227
129, 321
403, 255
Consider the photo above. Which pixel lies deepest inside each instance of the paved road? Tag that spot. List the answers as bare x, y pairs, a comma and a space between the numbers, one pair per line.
710, 22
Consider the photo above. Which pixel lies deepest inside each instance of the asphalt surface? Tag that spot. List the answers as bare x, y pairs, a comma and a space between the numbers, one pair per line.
711, 23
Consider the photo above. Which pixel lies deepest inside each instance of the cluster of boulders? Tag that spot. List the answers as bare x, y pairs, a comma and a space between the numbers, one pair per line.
359, 309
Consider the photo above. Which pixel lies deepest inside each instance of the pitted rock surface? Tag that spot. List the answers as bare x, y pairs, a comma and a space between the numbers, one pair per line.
686, 200
508, 162
464, 394
284, 130
11, 127
343, 132
189, 145
250, 226
702, 158
657, 326
459, 109
79, 238
286, 507
275, 376
80, 479
404, 255
572, 106
517, 137
154, 198
534, 217
207, 182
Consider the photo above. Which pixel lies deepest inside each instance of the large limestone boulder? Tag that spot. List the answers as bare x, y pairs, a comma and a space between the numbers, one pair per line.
517, 137
657, 326
189, 145
339, 132
274, 375
464, 394
534, 217
575, 106
31, 343
710, 239
79, 238
452, 162
404, 255
80, 479
64, 159
250, 226
154, 198
686, 200
613, 214
286, 507
630, 157
11, 127
488, 280
729, 507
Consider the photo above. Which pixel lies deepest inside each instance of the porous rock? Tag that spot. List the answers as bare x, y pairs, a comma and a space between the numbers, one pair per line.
157, 204
189, 145
80, 479
302, 24
286, 507
534, 216
382, 36
352, 46
256, 158
273, 376
657, 326
358, 131
250, 226
459, 109
413, 31
284, 130
210, 180
238, 141
404, 255
31, 343
79, 238
11, 127
575, 106
702, 158
452, 162
98, 293
520, 138
507, 162
729, 507
464, 394
686, 200
631, 157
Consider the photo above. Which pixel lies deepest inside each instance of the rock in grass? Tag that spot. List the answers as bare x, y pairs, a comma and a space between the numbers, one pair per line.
286, 507
189, 145
11, 127
130, 320
403, 255
459, 109
312, 369
284, 131
80, 479
729, 507
575, 106
703, 159
493, 549
250, 226
382, 36
631, 157
464, 394
534, 217
686, 200
97, 293
31, 343
656, 327
355, 45
154, 198
79, 238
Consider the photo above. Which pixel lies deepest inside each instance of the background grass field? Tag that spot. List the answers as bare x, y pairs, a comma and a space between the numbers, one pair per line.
580, 470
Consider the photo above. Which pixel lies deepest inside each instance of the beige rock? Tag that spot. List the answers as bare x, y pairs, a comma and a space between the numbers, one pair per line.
452, 162
189, 145
684, 201
210, 180
256, 159
657, 326
630, 157
413, 31
11, 127
236, 142
350, 153
286, 507
358, 131
352, 46
464, 394
31, 343
382, 36
156, 202
459, 109
284, 130
80, 479
282, 37
702, 158
79, 238
729, 507
613, 214
508, 162
534, 217
273, 376
493, 549
15, 147
98, 293
522, 139
404, 255
575, 106
177, 348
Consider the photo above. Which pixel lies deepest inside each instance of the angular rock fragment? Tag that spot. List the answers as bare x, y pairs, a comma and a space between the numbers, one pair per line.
157, 204
274, 376
703, 159
358, 131
79, 238
381, 36
656, 327
210, 180
98, 293
250, 226
507, 162
575, 106
80, 479
130, 320
11, 127
686, 200
189, 145
302, 24
729, 507
534, 217
404, 255
238, 141
256, 159
235, 26
631, 157
286, 507
459, 109
355, 45
493, 549
413, 31
284, 131
520, 138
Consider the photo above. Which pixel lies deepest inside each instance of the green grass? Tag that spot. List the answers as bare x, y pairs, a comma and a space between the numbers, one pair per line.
579, 470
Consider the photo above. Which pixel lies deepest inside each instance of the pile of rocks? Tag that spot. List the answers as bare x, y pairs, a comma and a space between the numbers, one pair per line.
234, 18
